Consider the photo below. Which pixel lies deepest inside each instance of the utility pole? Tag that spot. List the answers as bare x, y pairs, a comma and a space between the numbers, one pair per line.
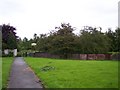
0, 40
119, 14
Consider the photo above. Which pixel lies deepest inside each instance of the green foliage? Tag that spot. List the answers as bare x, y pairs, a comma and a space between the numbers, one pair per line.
115, 40
58, 73
9, 55
64, 42
117, 32
9, 38
58, 42
12, 42
93, 41
111, 35
24, 44
43, 43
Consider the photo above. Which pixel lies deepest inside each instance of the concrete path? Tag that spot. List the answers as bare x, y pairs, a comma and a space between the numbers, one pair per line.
22, 76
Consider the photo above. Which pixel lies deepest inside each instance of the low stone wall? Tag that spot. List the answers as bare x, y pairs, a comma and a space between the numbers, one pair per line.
83, 56
45, 55
76, 56
93, 56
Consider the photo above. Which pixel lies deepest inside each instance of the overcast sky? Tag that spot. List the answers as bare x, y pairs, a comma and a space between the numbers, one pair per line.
42, 16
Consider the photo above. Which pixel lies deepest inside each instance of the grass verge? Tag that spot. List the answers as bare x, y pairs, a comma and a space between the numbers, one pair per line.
6, 66
55, 73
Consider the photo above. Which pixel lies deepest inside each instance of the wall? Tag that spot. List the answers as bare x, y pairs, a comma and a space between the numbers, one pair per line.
76, 56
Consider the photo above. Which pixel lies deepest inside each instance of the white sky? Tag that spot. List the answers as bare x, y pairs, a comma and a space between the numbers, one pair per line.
42, 16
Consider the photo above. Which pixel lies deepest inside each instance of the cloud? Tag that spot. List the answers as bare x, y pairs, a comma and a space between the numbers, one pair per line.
10, 7
41, 16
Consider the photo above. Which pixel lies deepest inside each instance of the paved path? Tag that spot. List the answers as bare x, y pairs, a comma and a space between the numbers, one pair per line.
22, 76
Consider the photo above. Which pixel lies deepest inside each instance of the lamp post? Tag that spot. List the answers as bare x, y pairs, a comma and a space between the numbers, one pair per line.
33, 45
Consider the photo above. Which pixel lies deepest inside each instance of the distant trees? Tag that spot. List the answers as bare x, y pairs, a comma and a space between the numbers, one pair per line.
117, 36
25, 43
61, 41
9, 37
114, 40
92, 40
43, 43
64, 42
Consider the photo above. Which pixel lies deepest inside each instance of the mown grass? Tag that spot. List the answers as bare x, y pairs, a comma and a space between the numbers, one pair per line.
55, 73
0, 72
6, 66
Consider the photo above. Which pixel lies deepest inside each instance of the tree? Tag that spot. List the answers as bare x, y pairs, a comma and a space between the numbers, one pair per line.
12, 42
93, 41
42, 43
117, 40
9, 38
26, 43
111, 35
114, 40
35, 38
63, 41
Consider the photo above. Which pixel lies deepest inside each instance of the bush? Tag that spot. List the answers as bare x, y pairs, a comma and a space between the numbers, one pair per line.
19, 54
9, 55
116, 56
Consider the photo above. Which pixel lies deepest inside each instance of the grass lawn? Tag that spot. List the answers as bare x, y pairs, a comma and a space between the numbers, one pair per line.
6, 66
57, 73
0, 72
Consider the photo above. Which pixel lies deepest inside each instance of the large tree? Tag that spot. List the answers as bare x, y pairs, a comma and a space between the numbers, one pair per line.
92, 40
63, 41
25, 44
114, 37
60, 41
9, 37
117, 40
42, 43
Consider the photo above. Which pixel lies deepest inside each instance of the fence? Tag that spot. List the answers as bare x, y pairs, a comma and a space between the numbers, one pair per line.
92, 56
78, 56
